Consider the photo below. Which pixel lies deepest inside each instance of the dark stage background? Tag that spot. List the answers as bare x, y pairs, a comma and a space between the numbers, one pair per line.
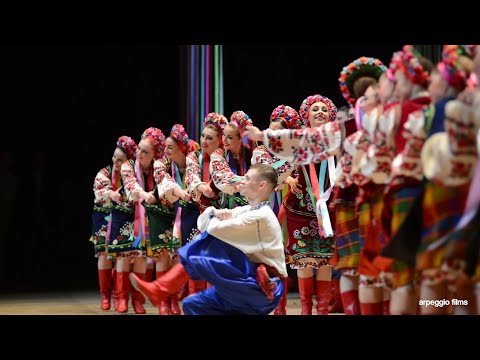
64, 108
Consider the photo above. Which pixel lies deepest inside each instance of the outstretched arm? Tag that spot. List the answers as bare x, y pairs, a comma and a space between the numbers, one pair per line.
302, 146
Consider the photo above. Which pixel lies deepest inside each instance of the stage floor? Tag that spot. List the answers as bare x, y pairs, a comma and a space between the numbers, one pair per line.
85, 303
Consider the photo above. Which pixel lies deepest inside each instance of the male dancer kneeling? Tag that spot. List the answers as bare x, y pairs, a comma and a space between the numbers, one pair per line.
240, 252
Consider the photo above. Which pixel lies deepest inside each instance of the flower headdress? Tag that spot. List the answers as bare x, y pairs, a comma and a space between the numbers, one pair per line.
127, 145
157, 139
309, 101
185, 144
289, 114
363, 66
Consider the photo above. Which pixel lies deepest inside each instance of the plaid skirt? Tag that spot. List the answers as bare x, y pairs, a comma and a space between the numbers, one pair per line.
442, 209
398, 203
347, 239
371, 235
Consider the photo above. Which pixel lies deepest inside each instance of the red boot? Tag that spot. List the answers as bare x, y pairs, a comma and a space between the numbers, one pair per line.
123, 289
164, 307
195, 286
114, 290
371, 308
268, 287
282, 305
386, 307
137, 298
335, 304
174, 308
351, 305
149, 275
105, 283
305, 288
323, 296
184, 291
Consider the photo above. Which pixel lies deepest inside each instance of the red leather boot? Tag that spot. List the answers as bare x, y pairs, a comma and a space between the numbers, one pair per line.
386, 307
149, 274
164, 306
351, 304
282, 305
195, 286
105, 283
323, 296
268, 287
184, 291
305, 288
174, 308
114, 290
137, 298
335, 304
371, 308
123, 289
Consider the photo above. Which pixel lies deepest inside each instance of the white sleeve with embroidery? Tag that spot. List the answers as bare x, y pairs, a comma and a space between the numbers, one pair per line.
304, 146
221, 172
193, 178
165, 183
132, 187
381, 152
449, 158
102, 186
408, 162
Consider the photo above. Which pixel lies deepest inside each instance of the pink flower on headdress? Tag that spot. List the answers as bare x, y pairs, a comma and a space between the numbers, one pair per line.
363, 66
450, 68
183, 141
127, 144
157, 139
394, 64
289, 114
309, 101
411, 67
240, 120
217, 120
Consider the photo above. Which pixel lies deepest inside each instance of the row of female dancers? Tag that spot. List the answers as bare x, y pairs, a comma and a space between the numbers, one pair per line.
363, 194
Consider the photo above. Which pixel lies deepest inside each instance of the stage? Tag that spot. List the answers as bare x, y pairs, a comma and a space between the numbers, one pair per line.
85, 303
